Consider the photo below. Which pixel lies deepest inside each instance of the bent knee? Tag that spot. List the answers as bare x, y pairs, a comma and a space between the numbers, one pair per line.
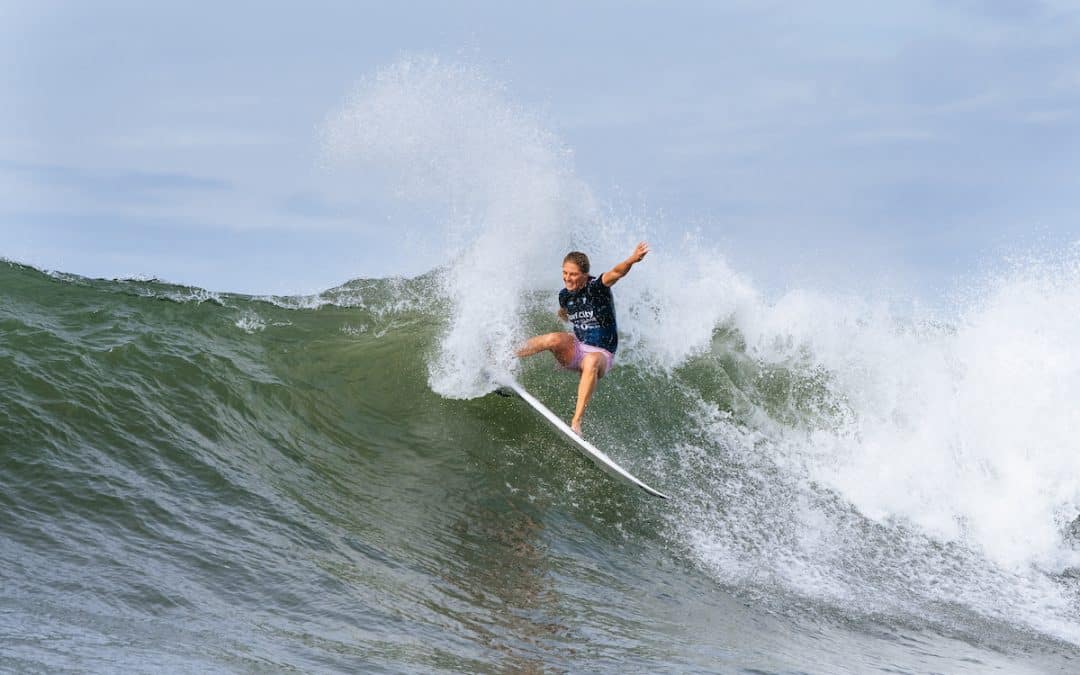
558, 341
593, 363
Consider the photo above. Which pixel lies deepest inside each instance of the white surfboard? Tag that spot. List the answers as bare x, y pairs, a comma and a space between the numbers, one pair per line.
586, 448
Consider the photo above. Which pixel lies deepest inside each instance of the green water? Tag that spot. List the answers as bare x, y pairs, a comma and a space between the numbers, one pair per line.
194, 481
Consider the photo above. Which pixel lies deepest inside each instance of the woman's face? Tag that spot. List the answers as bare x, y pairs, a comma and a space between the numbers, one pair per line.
573, 277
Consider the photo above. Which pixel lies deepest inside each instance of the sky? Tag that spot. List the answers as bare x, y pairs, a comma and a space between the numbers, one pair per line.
905, 144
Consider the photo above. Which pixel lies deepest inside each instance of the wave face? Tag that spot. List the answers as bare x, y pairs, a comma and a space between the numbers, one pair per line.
209, 480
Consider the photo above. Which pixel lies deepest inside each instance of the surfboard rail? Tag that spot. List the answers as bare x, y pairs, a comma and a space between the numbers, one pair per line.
598, 457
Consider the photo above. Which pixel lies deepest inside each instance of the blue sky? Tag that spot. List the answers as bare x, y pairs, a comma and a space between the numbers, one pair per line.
906, 143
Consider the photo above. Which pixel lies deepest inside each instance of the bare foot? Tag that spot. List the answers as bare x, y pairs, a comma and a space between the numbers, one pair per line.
575, 426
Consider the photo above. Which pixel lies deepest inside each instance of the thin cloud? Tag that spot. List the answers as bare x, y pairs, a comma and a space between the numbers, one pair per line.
100, 180
193, 139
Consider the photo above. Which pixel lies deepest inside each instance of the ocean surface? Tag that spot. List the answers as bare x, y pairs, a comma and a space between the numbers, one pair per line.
194, 481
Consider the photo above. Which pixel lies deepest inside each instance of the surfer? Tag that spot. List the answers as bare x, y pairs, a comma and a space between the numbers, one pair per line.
588, 305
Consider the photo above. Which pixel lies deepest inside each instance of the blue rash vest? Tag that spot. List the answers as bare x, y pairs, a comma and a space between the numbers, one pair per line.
592, 313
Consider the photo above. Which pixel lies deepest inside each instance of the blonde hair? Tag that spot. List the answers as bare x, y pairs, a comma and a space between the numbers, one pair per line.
579, 259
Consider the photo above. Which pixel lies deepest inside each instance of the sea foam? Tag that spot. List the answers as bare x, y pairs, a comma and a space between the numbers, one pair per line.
946, 469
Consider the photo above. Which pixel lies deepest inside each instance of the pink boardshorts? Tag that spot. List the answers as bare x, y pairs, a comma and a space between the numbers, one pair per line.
581, 349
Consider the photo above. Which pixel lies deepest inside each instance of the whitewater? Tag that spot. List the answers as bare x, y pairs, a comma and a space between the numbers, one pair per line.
200, 480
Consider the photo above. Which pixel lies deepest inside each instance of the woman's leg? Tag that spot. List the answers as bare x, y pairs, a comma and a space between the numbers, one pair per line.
559, 344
